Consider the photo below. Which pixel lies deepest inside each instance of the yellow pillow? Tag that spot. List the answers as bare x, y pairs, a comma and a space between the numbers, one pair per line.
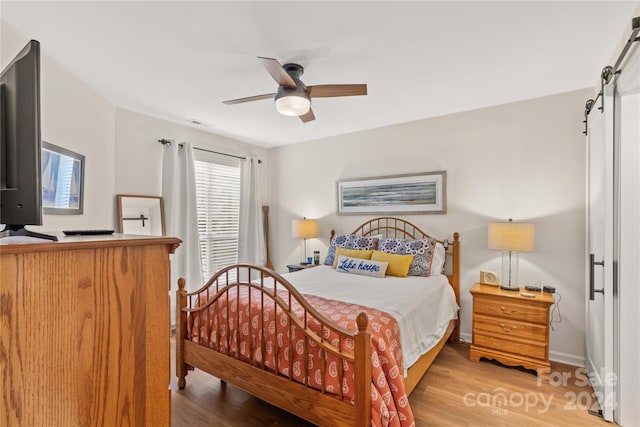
352, 253
398, 264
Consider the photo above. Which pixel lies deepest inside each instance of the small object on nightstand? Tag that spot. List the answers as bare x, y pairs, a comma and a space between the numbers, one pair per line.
528, 294
489, 278
297, 267
533, 288
316, 257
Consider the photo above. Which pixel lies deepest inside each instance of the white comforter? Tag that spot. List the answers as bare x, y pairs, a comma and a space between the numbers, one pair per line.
422, 306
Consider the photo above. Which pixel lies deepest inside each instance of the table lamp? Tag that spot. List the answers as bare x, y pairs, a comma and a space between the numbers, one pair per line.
304, 229
511, 238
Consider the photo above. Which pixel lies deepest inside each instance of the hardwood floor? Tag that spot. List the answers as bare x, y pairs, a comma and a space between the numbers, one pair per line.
454, 392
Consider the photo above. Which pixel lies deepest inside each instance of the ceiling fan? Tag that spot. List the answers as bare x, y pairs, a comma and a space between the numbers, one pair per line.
293, 97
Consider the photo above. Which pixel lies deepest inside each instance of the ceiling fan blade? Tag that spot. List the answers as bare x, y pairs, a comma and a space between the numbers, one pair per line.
325, 91
277, 72
249, 99
308, 116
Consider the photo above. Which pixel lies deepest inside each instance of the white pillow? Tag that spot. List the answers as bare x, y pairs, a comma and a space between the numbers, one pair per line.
439, 257
361, 266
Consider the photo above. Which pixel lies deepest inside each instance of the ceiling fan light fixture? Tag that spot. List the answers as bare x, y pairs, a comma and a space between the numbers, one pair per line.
292, 103
294, 97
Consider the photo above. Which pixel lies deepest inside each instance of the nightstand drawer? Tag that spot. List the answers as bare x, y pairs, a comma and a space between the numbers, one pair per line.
509, 327
524, 348
511, 310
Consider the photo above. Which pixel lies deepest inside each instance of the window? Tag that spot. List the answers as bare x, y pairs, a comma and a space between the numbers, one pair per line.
218, 204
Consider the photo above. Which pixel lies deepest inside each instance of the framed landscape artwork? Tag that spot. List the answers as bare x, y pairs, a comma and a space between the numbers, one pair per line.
417, 193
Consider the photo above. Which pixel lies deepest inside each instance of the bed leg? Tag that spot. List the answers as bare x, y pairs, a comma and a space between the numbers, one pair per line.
456, 286
181, 333
455, 336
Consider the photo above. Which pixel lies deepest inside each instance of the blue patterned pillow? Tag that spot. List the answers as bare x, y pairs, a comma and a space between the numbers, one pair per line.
350, 241
422, 251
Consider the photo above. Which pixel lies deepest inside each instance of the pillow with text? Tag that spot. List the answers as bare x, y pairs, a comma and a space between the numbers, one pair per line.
365, 267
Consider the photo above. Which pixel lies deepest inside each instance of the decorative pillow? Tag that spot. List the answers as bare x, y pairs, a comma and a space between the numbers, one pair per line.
361, 266
353, 253
398, 264
423, 251
349, 241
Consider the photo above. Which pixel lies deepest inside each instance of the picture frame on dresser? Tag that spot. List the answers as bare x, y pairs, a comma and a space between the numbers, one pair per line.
414, 193
141, 215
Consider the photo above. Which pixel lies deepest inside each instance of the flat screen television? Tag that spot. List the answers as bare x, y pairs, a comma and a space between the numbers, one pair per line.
20, 144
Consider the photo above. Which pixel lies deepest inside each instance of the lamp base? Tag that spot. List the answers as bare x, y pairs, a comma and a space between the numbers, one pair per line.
509, 288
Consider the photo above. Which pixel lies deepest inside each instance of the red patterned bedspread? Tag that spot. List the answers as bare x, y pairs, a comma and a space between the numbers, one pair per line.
390, 405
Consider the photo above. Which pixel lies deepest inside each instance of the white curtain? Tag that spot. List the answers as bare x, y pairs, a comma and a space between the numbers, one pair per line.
251, 241
181, 215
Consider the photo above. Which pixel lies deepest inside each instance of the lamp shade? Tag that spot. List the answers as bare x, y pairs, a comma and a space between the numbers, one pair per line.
304, 228
511, 236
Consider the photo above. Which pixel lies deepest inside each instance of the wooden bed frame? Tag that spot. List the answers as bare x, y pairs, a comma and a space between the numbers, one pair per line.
314, 405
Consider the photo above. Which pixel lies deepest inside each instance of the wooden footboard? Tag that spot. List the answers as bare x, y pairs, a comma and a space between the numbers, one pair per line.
203, 313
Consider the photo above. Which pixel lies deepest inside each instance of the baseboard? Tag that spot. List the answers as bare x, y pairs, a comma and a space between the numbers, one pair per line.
554, 356
567, 359
466, 337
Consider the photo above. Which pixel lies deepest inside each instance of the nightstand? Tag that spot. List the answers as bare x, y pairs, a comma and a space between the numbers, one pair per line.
511, 328
297, 267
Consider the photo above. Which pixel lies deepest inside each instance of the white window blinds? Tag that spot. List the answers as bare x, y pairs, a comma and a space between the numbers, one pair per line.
218, 205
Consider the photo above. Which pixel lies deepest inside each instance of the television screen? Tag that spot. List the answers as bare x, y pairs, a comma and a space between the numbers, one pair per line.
21, 188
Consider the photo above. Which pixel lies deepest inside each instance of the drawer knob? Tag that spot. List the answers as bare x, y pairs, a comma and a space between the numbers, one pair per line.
506, 328
505, 311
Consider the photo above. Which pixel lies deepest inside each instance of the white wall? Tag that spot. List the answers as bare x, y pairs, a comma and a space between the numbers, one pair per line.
139, 155
523, 161
77, 118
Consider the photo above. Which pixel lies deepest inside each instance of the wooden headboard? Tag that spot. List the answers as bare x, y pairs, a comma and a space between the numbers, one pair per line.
398, 228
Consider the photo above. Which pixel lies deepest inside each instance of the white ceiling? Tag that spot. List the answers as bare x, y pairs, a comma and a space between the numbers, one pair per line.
179, 60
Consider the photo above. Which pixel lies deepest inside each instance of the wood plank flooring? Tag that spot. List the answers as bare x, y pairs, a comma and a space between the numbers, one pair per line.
454, 392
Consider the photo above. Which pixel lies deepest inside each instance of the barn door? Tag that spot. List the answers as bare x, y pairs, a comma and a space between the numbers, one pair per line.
600, 332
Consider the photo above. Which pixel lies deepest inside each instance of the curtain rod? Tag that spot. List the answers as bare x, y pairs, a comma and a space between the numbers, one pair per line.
609, 72
168, 142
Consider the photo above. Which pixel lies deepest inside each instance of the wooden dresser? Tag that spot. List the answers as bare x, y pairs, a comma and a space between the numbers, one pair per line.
84, 328
511, 328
